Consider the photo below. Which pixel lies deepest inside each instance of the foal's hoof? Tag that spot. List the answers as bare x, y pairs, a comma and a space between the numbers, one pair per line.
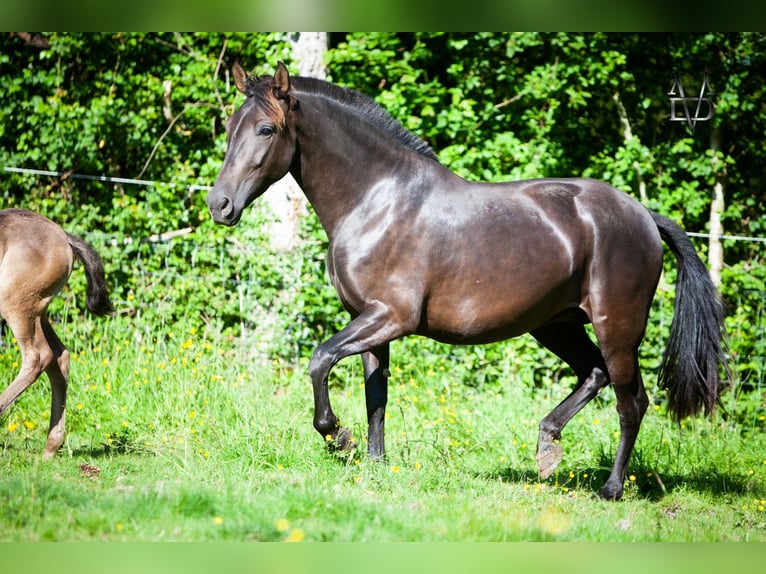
342, 443
48, 454
549, 456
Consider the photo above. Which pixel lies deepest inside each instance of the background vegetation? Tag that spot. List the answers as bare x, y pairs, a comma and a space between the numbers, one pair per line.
494, 106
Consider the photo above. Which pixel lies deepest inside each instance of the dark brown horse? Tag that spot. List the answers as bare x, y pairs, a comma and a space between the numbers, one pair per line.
415, 249
36, 258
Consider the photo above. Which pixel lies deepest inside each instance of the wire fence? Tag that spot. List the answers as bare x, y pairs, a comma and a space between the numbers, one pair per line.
185, 261
195, 187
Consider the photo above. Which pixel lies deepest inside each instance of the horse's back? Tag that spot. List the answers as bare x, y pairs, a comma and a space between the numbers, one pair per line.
602, 219
617, 237
581, 198
497, 260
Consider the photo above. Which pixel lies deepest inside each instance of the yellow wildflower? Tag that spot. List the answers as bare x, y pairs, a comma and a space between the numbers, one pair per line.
296, 535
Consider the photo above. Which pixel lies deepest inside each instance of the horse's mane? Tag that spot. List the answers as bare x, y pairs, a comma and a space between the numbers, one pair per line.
359, 102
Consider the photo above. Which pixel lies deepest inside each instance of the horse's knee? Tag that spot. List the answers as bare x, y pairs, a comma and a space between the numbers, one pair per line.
642, 401
596, 381
631, 404
319, 365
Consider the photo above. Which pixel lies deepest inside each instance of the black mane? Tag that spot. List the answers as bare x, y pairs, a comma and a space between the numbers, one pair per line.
367, 107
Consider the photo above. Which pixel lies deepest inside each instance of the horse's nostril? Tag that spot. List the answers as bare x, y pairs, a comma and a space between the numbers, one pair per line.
221, 207
224, 207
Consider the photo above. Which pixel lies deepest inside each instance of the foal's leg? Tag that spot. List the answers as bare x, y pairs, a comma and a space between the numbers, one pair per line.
35, 355
376, 395
572, 344
58, 373
372, 329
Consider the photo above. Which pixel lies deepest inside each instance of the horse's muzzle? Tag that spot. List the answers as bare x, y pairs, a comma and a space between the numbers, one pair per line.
222, 210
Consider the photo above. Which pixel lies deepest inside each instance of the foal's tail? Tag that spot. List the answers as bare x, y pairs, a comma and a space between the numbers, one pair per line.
97, 298
689, 368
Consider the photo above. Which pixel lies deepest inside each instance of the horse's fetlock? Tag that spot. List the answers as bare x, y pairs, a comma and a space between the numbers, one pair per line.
327, 426
550, 431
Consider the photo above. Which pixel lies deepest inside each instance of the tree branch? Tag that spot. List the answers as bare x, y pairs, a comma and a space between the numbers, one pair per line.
165, 133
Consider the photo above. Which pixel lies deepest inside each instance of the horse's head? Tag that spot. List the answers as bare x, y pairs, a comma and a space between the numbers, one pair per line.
261, 144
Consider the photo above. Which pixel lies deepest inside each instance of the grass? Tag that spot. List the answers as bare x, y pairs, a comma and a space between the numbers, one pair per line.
192, 437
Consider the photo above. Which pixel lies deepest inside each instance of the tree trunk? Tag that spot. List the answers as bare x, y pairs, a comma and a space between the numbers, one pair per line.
717, 206
285, 198
627, 134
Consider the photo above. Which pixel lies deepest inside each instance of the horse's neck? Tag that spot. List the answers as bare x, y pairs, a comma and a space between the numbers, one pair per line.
342, 159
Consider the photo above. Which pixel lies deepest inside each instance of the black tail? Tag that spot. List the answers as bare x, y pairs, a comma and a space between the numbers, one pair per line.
689, 369
97, 298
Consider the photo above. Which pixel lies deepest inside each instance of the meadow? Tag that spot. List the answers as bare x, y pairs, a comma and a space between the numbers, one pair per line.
190, 435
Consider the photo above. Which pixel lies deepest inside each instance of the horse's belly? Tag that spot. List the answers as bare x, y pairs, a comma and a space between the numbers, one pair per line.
489, 317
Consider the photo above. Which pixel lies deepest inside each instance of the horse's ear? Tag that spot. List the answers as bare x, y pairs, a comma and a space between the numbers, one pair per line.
281, 81
240, 77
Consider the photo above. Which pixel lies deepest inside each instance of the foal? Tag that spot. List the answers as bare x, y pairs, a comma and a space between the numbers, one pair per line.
36, 258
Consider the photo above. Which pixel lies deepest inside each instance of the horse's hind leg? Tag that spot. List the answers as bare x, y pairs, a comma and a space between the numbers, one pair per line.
571, 343
58, 373
632, 403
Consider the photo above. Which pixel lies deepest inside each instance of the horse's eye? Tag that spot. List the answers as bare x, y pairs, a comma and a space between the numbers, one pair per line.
266, 131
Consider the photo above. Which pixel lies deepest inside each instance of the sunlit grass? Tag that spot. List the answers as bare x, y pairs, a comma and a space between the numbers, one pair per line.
188, 436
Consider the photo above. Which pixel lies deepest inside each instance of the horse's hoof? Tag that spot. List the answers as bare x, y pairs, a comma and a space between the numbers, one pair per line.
549, 455
611, 492
342, 443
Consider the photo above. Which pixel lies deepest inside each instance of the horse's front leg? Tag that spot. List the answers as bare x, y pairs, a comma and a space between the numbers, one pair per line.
376, 395
325, 422
374, 328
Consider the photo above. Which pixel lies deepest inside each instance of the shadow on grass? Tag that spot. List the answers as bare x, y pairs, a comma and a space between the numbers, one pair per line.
101, 451
118, 443
650, 483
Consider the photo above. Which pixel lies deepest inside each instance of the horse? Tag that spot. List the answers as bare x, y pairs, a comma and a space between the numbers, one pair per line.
36, 259
414, 249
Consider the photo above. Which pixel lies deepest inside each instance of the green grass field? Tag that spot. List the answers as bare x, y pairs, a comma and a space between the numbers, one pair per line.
193, 437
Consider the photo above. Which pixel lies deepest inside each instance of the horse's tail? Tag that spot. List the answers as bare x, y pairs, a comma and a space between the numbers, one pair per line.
689, 368
97, 292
